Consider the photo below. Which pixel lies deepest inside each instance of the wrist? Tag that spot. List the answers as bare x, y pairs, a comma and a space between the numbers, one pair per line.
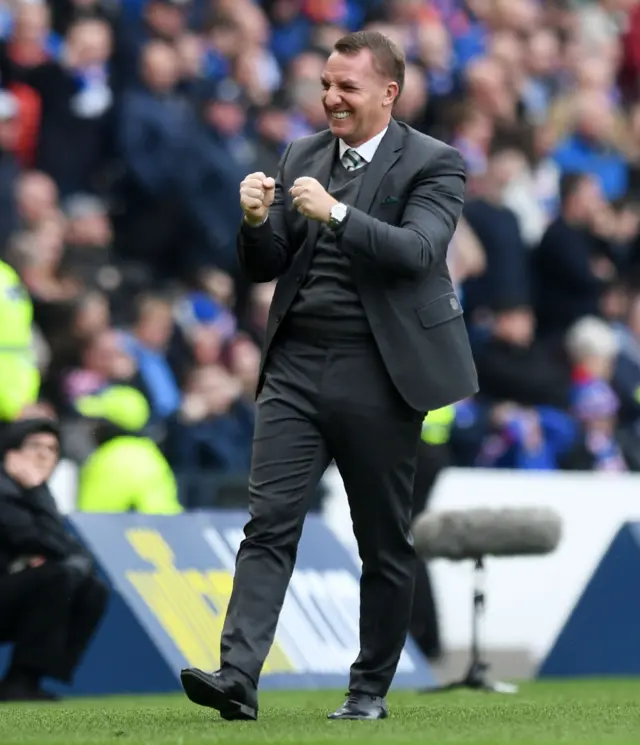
332, 204
255, 222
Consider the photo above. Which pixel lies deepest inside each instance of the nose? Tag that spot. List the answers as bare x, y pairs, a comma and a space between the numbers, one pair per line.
331, 98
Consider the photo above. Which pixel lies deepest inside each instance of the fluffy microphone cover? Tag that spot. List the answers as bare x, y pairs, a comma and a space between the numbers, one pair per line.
479, 532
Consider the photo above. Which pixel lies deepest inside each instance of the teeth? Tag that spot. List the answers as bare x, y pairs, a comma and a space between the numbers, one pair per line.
341, 114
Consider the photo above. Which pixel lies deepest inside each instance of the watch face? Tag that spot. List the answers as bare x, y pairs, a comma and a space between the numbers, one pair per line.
338, 212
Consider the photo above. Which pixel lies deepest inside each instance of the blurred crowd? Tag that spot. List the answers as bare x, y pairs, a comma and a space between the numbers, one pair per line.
126, 127
548, 254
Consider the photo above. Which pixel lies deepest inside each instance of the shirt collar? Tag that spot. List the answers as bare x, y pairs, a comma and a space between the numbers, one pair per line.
368, 149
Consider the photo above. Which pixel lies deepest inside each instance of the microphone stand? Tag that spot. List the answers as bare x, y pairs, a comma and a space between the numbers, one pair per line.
476, 675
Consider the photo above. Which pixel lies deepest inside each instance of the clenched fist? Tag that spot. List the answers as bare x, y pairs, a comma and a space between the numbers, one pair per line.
22, 469
311, 199
256, 196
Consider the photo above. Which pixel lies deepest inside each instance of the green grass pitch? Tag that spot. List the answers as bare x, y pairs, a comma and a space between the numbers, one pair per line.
593, 712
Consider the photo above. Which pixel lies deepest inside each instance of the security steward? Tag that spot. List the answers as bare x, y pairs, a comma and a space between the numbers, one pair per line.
127, 472
51, 600
19, 375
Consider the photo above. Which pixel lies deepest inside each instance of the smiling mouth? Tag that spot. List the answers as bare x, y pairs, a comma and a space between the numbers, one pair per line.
340, 114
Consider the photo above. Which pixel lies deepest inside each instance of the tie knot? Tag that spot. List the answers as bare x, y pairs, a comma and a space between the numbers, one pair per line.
352, 160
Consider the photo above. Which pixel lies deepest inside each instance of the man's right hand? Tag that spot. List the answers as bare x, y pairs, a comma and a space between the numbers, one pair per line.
257, 192
21, 469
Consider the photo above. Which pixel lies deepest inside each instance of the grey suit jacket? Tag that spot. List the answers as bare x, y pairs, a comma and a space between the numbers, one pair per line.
397, 237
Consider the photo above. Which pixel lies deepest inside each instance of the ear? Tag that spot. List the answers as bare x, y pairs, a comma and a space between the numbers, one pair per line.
391, 94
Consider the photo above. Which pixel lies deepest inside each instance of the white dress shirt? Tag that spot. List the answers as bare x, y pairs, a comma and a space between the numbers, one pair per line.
367, 150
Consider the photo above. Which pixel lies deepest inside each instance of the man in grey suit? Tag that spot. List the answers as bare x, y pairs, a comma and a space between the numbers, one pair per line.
365, 336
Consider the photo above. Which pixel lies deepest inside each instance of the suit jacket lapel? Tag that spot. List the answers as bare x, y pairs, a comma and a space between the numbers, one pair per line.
386, 155
322, 174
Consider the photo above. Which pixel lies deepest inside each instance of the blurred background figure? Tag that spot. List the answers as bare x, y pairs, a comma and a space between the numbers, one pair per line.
19, 374
51, 598
127, 472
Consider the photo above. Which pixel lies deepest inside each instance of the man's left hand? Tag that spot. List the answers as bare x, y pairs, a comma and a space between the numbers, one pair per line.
311, 199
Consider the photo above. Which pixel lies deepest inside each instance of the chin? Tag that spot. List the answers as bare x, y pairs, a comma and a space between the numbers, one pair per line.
340, 127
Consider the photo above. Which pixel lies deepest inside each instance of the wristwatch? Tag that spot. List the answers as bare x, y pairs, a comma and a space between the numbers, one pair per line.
338, 215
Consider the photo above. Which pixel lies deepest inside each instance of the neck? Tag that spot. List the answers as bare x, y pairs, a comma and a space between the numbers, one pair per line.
574, 220
494, 195
372, 133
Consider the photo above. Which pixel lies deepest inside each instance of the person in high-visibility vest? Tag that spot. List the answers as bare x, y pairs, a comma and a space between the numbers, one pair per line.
127, 472
436, 427
19, 374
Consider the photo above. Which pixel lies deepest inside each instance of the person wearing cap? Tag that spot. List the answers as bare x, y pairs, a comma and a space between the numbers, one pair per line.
19, 375
52, 601
127, 472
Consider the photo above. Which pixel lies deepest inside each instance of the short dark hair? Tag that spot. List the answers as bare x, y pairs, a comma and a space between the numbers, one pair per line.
388, 58
505, 141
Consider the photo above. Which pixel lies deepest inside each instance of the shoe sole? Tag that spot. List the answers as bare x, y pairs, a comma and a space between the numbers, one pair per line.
201, 691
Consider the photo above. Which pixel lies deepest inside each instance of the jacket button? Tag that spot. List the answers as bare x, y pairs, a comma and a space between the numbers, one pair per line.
278, 318
299, 279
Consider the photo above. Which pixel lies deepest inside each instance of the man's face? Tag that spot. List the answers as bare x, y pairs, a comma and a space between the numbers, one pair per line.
357, 99
414, 99
228, 117
588, 198
516, 326
160, 68
507, 166
32, 22
42, 450
90, 230
90, 42
108, 357
167, 20
155, 325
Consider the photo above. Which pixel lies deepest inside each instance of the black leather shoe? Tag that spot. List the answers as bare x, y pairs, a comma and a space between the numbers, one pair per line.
362, 706
221, 692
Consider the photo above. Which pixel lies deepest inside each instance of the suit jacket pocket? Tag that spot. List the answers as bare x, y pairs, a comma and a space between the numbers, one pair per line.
390, 212
442, 309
